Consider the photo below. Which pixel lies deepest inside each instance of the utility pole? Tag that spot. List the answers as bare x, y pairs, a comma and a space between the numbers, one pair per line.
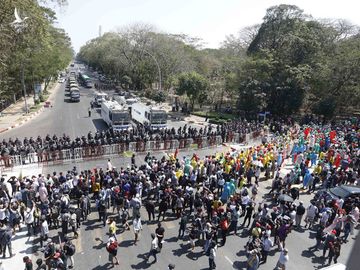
100, 31
24, 87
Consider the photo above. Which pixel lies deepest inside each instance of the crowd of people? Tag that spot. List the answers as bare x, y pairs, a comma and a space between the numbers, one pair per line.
16, 146
212, 197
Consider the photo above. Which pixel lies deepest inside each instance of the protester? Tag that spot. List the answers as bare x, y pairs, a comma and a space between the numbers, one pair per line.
154, 248
112, 247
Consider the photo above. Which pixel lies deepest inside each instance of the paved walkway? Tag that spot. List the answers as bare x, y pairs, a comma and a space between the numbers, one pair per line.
15, 115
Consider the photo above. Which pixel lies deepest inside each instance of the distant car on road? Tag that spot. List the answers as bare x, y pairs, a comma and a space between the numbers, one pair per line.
75, 95
339, 192
61, 80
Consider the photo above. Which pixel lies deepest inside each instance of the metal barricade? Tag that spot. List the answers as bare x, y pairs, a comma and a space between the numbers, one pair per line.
219, 140
166, 145
204, 142
106, 150
5, 162
124, 147
140, 146
188, 143
132, 146
31, 158
78, 153
236, 138
16, 160
114, 149
174, 144
150, 145
66, 155
182, 143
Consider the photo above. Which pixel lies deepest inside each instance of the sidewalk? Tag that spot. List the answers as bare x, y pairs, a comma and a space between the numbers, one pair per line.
22, 245
14, 115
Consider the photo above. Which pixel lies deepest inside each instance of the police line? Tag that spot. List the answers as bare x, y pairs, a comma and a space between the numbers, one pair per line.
121, 149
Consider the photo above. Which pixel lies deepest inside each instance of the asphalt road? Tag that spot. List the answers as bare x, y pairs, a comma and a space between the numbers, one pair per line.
91, 252
65, 117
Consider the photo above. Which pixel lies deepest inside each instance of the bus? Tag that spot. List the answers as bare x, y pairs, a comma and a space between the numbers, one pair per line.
85, 80
116, 116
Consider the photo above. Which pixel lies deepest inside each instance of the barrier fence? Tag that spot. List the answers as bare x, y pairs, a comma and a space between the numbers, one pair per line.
127, 149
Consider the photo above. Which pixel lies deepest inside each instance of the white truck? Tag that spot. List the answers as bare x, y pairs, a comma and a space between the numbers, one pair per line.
115, 115
99, 98
148, 115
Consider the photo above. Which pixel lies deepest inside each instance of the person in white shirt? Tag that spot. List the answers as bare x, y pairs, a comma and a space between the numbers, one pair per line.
267, 245
212, 255
283, 259
137, 227
312, 210
154, 248
43, 193
44, 231
109, 165
29, 219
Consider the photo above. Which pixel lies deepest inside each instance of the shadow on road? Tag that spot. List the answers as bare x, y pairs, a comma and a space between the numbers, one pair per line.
143, 264
102, 267
181, 251
99, 124
101, 245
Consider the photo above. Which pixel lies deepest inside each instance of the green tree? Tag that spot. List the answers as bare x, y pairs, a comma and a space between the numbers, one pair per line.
291, 39
194, 86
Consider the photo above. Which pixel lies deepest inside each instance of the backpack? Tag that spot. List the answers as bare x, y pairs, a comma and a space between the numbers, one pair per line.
111, 247
70, 249
49, 251
66, 188
224, 225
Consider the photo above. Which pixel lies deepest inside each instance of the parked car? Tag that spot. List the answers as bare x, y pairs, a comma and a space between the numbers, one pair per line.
339, 192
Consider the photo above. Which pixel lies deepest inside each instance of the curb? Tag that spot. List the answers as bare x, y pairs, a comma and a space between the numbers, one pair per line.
30, 116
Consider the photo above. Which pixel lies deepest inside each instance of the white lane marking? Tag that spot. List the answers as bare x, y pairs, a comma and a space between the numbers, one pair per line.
227, 258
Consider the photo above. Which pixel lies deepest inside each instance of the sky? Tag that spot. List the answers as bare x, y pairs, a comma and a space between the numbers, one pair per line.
210, 20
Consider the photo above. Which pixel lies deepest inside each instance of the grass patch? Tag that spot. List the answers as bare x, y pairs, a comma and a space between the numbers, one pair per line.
36, 107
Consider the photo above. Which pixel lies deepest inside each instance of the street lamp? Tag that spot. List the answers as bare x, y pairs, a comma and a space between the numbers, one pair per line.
133, 42
158, 66
19, 25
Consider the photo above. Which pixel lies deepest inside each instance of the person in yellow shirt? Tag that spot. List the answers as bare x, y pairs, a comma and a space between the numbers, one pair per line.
317, 169
241, 182
112, 227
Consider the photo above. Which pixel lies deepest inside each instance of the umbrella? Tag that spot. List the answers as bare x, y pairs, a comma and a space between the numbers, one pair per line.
285, 198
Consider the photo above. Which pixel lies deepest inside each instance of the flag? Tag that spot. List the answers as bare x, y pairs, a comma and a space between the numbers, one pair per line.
176, 152
128, 153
